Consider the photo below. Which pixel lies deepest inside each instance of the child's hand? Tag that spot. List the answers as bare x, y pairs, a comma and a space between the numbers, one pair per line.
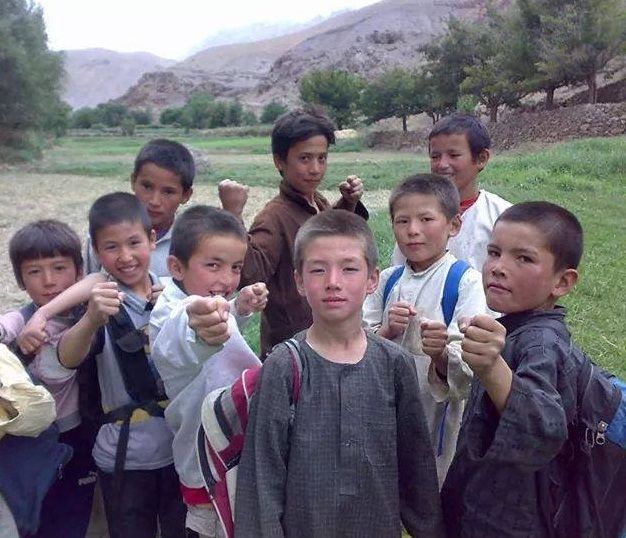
483, 342
351, 190
208, 317
105, 301
233, 196
252, 298
33, 335
155, 292
400, 313
434, 336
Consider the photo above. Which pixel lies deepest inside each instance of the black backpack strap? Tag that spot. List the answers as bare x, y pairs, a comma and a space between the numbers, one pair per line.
129, 345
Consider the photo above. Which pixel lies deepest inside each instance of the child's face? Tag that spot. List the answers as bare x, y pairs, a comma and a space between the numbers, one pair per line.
161, 192
422, 229
124, 250
519, 272
214, 268
305, 165
451, 156
335, 279
45, 278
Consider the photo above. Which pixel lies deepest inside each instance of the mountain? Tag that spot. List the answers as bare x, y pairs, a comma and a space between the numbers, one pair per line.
97, 75
365, 41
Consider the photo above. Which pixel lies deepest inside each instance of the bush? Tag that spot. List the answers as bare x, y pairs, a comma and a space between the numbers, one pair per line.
272, 111
142, 117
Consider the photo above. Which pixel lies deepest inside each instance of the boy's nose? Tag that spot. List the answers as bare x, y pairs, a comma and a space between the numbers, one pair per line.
332, 280
48, 278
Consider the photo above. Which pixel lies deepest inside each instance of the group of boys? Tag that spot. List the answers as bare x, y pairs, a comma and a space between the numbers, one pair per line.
409, 385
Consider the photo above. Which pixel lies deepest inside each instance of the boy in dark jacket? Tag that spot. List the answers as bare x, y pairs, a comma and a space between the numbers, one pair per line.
524, 392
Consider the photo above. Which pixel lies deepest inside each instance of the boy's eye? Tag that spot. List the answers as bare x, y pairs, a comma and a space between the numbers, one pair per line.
316, 271
351, 269
492, 253
237, 268
32, 271
212, 265
525, 259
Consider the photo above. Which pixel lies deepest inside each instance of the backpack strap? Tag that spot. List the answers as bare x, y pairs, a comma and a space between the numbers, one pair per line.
451, 289
391, 282
27, 311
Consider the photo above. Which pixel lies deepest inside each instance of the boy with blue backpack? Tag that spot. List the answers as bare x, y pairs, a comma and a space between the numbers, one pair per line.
418, 304
541, 449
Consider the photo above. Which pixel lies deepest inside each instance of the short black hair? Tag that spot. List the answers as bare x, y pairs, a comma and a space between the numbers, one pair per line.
335, 222
300, 124
170, 155
466, 124
560, 228
115, 208
199, 221
43, 239
435, 185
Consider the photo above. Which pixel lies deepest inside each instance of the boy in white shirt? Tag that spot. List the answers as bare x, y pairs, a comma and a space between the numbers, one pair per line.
421, 310
458, 146
206, 256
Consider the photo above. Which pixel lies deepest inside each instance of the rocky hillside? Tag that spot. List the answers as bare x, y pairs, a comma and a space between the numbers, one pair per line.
96, 75
365, 41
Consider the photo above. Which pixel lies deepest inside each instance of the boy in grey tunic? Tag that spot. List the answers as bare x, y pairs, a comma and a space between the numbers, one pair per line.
356, 459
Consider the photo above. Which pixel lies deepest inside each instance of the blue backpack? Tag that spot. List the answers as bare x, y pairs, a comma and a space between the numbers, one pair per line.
588, 499
449, 298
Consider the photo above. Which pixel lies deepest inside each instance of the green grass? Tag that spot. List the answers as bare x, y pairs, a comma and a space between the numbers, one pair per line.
586, 176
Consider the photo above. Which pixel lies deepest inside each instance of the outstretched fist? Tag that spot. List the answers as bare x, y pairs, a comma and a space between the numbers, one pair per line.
105, 301
483, 342
400, 313
434, 335
252, 298
233, 196
208, 317
352, 190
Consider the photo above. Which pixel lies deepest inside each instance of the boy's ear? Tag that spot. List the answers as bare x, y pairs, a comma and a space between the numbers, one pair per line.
186, 195
372, 280
153, 238
133, 178
175, 267
455, 225
278, 163
565, 283
483, 158
299, 283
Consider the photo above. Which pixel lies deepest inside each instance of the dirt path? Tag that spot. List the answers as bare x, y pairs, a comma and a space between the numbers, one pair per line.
26, 196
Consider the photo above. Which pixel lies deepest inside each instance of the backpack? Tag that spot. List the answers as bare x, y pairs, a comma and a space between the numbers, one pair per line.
450, 294
222, 433
588, 497
449, 298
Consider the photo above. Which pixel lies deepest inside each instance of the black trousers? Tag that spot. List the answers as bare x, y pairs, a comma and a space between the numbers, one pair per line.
146, 496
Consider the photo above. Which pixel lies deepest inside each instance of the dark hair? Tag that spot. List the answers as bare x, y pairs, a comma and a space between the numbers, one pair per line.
335, 222
300, 124
115, 208
465, 124
200, 221
169, 155
43, 239
560, 228
440, 187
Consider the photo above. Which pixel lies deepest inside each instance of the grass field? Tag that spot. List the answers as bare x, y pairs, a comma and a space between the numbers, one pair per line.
586, 176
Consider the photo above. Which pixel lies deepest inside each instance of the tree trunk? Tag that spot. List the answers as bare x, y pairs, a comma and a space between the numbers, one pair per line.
493, 113
550, 98
404, 129
592, 84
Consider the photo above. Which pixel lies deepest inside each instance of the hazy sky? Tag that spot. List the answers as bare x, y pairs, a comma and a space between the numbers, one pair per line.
167, 28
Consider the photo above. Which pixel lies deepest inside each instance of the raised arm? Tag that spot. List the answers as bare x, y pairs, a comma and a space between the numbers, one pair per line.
105, 300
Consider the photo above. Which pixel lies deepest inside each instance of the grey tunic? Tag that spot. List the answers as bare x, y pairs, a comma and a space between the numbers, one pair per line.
355, 461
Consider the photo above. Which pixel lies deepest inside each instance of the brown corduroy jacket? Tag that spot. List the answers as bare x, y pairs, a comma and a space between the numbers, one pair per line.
270, 259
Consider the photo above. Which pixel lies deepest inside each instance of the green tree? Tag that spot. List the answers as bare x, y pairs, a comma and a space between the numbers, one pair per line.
579, 38
218, 114
30, 74
198, 111
111, 114
83, 118
128, 126
171, 115
57, 119
234, 115
271, 111
395, 93
249, 118
141, 117
338, 90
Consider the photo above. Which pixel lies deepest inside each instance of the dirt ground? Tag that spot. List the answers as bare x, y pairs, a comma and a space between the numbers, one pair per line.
26, 196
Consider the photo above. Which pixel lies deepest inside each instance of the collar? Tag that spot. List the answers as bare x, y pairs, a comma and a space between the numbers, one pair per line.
134, 301
430, 269
167, 236
514, 321
286, 190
